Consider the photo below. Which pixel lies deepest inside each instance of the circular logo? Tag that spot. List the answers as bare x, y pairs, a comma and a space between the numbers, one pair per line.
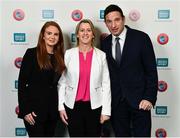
161, 133
162, 38
18, 14
134, 15
18, 62
103, 36
17, 110
162, 86
77, 15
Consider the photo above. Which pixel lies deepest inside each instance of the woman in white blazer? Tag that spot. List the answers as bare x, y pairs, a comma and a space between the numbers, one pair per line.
84, 88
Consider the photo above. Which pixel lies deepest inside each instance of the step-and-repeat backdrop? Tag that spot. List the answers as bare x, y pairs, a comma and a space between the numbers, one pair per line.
22, 20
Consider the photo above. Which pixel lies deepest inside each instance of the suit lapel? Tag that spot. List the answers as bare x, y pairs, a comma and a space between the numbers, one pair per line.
109, 50
126, 45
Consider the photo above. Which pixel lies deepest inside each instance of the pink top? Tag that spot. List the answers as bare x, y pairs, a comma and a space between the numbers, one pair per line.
83, 91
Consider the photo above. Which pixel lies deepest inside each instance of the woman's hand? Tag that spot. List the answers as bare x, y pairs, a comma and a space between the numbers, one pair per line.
63, 116
104, 118
30, 118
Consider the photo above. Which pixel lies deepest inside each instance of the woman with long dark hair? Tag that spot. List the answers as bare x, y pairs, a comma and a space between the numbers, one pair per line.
40, 71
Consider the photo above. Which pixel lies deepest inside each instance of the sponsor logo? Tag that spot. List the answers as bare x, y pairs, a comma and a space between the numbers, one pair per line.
162, 62
101, 14
134, 15
47, 14
18, 14
161, 110
17, 110
161, 133
20, 132
77, 15
19, 37
163, 14
162, 86
73, 37
162, 38
16, 83
17, 62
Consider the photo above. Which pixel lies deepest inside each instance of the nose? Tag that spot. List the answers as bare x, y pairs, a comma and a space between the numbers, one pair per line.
85, 32
52, 36
113, 24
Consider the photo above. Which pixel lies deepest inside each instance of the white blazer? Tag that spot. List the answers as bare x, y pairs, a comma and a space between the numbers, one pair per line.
100, 93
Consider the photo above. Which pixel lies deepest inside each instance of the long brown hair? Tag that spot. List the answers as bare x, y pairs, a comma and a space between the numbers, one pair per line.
42, 54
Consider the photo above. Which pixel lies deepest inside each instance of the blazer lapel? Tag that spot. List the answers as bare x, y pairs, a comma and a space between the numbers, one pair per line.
93, 66
76, 62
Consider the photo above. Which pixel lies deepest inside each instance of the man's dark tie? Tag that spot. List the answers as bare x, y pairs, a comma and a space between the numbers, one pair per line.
118, 51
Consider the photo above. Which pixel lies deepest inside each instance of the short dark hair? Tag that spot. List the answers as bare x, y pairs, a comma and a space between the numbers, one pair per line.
112, 8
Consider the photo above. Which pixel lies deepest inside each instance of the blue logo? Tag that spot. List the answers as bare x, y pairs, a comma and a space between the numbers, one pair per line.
19, 37
162, 62
161, 110
101, 14
73, 37
20, 132
16, 84
47, 14
163, 14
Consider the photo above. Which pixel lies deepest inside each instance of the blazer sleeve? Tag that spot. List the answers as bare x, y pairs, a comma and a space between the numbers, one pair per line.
24, 75
106, 100
62, 85
149, 63
61, 90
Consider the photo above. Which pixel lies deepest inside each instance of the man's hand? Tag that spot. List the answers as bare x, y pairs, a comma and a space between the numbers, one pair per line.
145, 105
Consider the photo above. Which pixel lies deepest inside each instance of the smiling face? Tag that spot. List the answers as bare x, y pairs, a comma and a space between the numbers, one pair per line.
51, 36
115, 22
85, 34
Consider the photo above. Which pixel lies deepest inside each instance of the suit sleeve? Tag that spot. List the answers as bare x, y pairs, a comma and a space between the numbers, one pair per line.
149, 63
24, 74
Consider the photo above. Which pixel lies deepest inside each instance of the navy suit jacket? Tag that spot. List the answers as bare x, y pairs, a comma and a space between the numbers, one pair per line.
136, 76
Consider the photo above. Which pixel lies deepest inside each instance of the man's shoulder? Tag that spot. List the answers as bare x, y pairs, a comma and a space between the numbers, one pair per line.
108, 38
135, 31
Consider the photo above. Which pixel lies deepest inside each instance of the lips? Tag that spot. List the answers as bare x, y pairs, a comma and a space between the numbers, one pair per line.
52, 41
114, 30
